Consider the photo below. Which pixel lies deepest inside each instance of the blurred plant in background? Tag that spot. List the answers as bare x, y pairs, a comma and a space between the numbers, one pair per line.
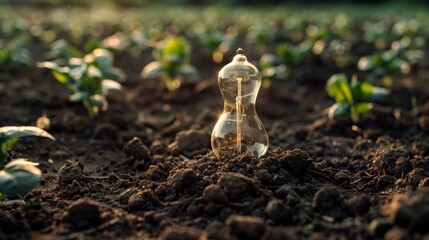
89, 78
173, 57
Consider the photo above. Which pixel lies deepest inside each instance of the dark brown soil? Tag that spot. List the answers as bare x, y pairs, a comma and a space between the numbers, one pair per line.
144, 169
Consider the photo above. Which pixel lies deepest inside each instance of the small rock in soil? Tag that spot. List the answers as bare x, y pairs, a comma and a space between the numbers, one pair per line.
8, 223
402, 167
180, 233
157, 147
279, 211
379, 226
396, 233
182, 179
424, 123
83, 214
415, 177
286, 193
246, 227
136, 149
235, 186
143, 200
125, 195
265, 177
281, 233
385, 161
190, 141
410, 210
358, 205
215, 194
342, 177
70, 171
420, 147
327, 198
271, 164
296, 162
424, 183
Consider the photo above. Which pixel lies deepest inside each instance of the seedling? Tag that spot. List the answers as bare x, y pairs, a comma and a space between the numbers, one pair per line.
352, 99
215, 41
61, 49
14, 53
383, 64
86, 78
172, 63
19, 176
272, 69
101, 58
293, 55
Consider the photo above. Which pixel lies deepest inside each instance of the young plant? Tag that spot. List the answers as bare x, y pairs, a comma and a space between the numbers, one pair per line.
293, 55
101, 58
14, 53
272, 69
382, 65
352, 99
172, 63
215, 41
86, 78
61, 49
19, 176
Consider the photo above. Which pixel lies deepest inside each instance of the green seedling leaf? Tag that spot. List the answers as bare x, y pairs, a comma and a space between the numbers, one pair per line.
103, 60
60, 73
61, 48
110, 85
363, 108
78, 96
12, 132
352, 99
361, 91
172, 61
19, 177
189, 70
378, 93
338, 88
338, 109
10, 135
153, 69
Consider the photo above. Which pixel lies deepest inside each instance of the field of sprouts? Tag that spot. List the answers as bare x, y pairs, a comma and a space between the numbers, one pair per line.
117, 107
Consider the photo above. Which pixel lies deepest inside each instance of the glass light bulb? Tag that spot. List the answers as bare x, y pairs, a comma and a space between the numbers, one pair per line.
239, 129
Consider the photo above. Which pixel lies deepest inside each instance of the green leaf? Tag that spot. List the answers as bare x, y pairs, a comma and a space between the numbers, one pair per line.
102, 58
189, 70
115, 74
94, 72
60, 73
363, 108
110, 85
362, 91
338, 109
379, 92
12, 132
338, 88
176, 49
19, 177
78, 96
153, 69
61, 48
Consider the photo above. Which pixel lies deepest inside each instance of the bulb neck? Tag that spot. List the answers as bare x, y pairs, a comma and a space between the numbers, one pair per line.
239, 58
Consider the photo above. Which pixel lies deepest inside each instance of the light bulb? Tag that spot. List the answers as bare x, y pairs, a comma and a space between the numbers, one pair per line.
239, 129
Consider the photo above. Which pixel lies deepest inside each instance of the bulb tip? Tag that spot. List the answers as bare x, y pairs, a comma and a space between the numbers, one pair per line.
239, 51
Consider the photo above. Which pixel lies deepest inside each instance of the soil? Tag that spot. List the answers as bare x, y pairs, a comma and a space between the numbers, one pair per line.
145, 170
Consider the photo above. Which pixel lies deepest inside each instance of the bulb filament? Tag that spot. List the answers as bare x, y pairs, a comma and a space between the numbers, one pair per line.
239, 115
